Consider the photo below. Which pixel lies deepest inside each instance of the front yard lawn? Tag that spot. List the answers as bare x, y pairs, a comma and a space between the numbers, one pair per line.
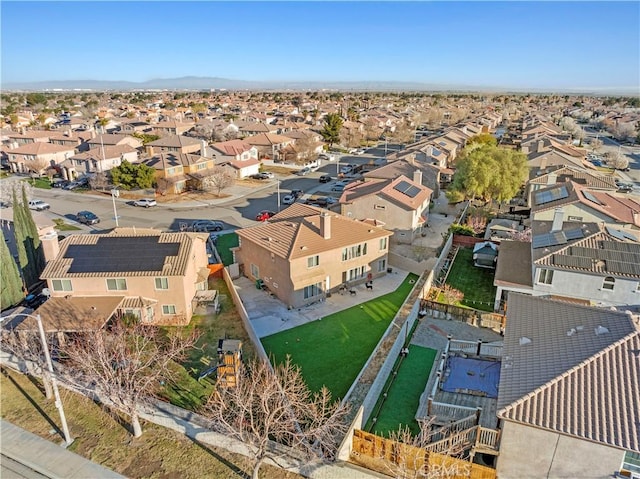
333, 350
475, 283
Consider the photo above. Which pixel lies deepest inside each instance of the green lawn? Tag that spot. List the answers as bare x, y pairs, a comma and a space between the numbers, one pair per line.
230, 240
403, 398
332, 351
42, 183
475, 283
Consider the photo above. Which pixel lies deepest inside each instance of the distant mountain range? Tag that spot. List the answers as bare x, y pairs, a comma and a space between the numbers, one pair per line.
215, 83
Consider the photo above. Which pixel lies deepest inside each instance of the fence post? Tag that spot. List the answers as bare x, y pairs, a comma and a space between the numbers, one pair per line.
429, 402
479, 348
478, 414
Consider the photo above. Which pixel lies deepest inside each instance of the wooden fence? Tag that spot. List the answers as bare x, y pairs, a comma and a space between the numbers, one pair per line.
390, 456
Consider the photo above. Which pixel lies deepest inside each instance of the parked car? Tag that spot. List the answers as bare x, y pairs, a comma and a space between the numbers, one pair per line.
325, 179
338, 187
625, 188
359, 151
60, 184
87, 218
78, 183
264, 215
288, 199
145, 202
297, 193
34, 300
596, 163
304, 171
346, 169
207, 226
261, 176
38, 205
268, 174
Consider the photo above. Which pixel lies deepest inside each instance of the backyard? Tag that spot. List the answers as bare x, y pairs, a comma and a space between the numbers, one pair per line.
403, 397
476, 283
333, 350
224, 245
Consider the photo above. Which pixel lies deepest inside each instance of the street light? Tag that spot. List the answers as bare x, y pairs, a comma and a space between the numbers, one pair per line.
54, 383
115, 194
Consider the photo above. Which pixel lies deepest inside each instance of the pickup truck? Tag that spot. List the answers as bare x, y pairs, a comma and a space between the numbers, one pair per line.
38, 205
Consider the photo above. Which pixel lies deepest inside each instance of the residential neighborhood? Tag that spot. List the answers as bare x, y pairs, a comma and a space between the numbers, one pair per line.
205, 277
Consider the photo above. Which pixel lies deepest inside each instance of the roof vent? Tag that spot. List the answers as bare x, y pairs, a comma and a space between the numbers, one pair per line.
303, 248
601, 330
524, 340
579, 328
571, 332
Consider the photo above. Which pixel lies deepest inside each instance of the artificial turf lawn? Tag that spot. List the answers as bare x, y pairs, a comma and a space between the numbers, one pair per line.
225, 242
403, 397
332, 351
475, 283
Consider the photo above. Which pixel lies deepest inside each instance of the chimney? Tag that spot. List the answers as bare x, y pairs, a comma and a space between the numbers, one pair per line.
325, 225
203, 148
150, 151
540, 146
558, 219
417, 177
552, 179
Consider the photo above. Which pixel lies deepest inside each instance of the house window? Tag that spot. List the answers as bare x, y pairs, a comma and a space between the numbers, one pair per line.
116, 284
354, 251
631, 463
608, 283
379, 207
354, 274
312, 290
168, 309
383, 244
133, 312
382, 265
170, 171
202, 166
162, 283
61, 285
545, 276
313, 261
575, 218
255, 271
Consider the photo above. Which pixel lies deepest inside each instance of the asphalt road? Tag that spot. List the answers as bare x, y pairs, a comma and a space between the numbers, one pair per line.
10, 469
609, 144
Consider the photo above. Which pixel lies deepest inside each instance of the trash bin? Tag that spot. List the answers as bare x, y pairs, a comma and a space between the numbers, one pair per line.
389, 270
259, 284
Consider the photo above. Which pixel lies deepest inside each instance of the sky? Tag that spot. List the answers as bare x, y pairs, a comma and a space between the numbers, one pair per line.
536, 45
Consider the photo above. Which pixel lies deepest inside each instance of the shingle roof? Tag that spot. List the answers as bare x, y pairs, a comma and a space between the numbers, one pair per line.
514, 264
72, 260
578, 175
295, 232
579, 374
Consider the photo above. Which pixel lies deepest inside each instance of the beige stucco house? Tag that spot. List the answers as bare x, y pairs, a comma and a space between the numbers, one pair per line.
303, 253
401, 205
158, 277
37, 156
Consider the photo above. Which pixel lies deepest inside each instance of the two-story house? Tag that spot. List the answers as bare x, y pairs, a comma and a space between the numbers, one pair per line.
37, 157
303, 253
109, 139
402, 204
568, 397
176, 144
97, 160
270, 146
179, 172
239, 155
153, 275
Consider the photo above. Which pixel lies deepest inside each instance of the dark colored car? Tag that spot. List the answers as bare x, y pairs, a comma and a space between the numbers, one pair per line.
87, 218
264, 215
34, 300
324, 179
260, 176
297, 193
60, 184
207, 226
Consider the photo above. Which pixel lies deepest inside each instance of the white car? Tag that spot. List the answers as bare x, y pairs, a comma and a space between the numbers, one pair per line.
38, 205
346, 169
359, 151
288, 199
145, 202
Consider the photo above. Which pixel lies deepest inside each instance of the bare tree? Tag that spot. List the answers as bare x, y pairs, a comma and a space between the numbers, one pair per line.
126, 363
99, 181
524, 235
618, 160
219, 179
305, 148
276, 405
38, 165
452, 295
624, 131
596, 143
9, 185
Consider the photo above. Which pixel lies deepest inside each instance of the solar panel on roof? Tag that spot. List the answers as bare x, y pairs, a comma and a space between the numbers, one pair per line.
550, 195
118, 254
591, 198
572, 261
549, 239
407, 189
623, 267
574, 234
620, 234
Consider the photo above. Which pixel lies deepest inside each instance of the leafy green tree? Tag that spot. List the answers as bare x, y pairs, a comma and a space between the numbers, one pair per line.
483, 139
489, 172
331, 130
145, 137
11, 286
34, 244
36, 99
130, 175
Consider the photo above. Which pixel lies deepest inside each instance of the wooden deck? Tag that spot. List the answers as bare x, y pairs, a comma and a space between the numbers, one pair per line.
488, 417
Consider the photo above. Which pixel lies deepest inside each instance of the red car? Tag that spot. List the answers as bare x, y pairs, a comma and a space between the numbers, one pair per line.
264, 215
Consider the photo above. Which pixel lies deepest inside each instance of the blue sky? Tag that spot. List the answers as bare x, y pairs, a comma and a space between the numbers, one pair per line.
568, 45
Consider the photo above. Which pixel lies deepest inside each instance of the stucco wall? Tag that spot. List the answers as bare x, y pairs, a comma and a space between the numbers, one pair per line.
527, 452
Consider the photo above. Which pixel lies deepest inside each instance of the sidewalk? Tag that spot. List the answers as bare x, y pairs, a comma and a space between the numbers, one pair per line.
46, 458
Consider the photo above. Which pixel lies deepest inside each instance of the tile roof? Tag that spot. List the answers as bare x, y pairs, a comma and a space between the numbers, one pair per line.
175, 141
394, 192
295, 232
578, 374
108, 139
232, 147
578, 175
267, 139
162, 161
72, 260
39, 148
